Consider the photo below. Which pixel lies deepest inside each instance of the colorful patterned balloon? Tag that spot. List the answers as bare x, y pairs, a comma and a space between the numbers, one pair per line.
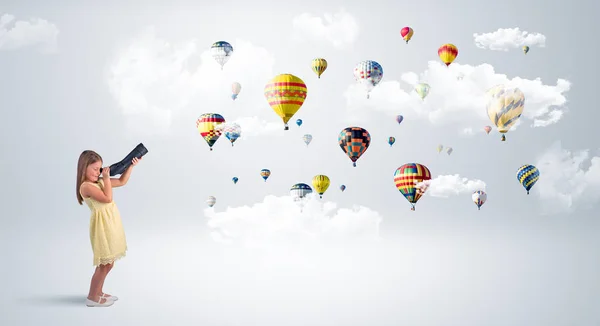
391, 141
368, 73
354, 141
221, 52
208, 126
265, 173
528, 175
479, 197
504, 107
409, 180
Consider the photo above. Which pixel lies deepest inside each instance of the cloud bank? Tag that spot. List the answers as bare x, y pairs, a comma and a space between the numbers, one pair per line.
37, 32
339, 29
280, 221
505, 39
568, 179
454, 101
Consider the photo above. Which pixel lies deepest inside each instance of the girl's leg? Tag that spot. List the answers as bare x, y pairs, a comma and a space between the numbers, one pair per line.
108, 269
95, 286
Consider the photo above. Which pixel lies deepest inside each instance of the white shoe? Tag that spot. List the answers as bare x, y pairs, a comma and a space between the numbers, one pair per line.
107, 303
112, 297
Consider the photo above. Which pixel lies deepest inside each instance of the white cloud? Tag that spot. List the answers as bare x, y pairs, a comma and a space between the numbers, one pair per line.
340, 29
35, 32
459, 102
505, 39
451, 185
567, 179
153, 80
255, 126
279, 220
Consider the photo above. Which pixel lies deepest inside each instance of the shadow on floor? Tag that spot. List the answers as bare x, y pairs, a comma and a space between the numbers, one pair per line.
54, 300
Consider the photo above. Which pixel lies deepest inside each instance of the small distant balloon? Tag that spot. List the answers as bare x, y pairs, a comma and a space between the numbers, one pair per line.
487, 129
449, 150
299, 122
447, 53
211, 201
235, 180
479, 197
236, 88
407, 33
399, 118
265, 173
319, 66
307, 139
391, 141
342, 188
525, 49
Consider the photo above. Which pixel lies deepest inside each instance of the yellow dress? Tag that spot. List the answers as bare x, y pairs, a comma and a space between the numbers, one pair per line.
106, 230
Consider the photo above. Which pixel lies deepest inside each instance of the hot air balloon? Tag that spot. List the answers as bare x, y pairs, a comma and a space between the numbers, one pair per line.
236, 88
504, 107
342, 188
479, 197
399, 118
487, 129
320, 183
391, 141
448, 52
235, 180
286, 94
299, 122
422, 89
300, 191
440, 148
354, 141
221, 51
307, 139
208, 126
528, 175
318, 66
232, 132
368, 73
211, 201
406, 33
449, 150
409, 179
525, 49
265, 173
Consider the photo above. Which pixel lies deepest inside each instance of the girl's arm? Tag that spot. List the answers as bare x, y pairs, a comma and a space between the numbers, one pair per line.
122, 180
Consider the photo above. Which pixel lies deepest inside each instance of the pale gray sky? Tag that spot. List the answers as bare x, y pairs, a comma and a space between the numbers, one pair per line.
108, 76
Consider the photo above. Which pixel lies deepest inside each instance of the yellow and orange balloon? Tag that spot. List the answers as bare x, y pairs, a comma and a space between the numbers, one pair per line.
448, 52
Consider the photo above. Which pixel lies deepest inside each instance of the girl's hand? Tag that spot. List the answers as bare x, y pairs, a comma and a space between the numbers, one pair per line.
106, 173
135, 161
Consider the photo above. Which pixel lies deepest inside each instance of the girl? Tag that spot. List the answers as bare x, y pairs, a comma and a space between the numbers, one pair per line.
106, 231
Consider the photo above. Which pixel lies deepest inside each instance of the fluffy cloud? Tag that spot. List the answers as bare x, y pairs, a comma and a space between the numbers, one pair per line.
451, 185
459, 102
567, 179
35, 32
153, 80
281, 221
340, 29
505, 39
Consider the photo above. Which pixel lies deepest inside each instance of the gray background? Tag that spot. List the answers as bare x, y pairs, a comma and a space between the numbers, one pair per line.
512, 263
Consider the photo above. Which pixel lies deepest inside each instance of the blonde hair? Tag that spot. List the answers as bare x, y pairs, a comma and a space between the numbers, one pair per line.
86, 158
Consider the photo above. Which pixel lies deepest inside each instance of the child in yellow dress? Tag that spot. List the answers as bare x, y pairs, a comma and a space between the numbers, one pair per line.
106, 230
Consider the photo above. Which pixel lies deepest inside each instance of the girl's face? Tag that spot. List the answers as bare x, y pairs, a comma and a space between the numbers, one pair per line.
93, 171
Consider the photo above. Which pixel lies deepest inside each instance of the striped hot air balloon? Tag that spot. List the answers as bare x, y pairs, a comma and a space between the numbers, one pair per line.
211, 201
448, 52
320, 183
504, 107
208, 125
410, 180
286, 94
354, 141
265, 173
318, 66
